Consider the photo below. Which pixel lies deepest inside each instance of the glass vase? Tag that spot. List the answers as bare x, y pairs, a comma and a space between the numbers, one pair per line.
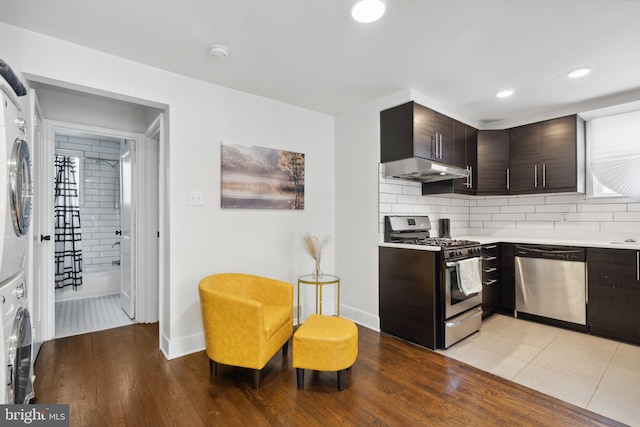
317, 273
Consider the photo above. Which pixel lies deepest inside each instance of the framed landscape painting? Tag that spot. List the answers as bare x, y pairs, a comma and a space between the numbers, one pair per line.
261, 178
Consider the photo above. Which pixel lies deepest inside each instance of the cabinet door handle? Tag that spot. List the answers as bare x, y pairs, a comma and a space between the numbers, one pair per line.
490, 282
491, 247
507, 178
490, 258
440, 145
535, 176
638, 266
470, 176
544, 175
490, 270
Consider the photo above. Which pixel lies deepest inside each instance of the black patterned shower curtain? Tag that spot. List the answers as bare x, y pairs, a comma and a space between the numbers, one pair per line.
68, 253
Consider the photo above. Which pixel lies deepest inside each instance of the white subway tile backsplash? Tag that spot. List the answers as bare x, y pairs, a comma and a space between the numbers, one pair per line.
508, 217
586, 226
415, 191
487, 209
391, 188
410, 200
480, 217
426, 200
500, 224
574, 214
543, 217
526, 200
532, 225
518, 209
620, 207
564, 199
441, 201
492, 202
402, 209
627, 216
590, 216
556, 208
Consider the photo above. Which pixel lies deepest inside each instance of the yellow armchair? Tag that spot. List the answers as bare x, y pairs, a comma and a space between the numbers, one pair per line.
246, 320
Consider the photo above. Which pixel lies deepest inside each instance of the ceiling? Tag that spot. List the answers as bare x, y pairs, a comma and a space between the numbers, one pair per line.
313, 55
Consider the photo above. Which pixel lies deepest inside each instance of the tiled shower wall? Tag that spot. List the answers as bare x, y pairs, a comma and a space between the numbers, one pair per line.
100, 213
548, 216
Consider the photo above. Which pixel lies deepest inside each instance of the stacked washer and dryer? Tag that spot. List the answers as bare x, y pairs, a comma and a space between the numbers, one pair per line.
16, 192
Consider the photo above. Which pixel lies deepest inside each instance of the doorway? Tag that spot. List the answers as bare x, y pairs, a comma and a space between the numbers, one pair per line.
94, 261
78, 111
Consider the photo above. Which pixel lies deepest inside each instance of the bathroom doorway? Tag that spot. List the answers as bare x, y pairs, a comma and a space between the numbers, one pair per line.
100, 294
97, 153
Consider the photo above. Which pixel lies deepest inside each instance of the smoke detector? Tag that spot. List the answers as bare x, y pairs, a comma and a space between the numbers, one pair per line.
219, 52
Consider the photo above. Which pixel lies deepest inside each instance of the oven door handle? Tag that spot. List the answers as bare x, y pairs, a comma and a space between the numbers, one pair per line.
450, 264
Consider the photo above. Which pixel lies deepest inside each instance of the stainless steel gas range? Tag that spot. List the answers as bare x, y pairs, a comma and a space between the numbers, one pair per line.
421, 297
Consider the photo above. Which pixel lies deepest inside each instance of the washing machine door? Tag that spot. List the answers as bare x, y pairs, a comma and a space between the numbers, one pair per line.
19, 384
20, 186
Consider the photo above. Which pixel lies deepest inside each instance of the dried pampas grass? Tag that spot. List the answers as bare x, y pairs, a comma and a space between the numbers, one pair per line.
314, 246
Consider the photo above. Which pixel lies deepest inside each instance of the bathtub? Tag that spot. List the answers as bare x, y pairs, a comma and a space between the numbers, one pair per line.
96, 282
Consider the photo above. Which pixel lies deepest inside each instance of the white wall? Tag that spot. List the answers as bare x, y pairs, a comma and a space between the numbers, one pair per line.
205, 239
357, 159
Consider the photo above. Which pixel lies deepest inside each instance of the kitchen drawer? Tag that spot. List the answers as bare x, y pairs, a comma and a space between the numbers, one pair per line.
490, 279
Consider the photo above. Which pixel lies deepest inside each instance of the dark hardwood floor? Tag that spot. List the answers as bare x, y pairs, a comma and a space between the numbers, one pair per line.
119, 377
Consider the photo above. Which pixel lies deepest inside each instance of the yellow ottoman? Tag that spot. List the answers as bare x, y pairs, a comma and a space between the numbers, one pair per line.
325, 343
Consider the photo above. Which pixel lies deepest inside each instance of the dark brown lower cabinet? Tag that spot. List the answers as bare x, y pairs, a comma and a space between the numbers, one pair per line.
614, 293
409, 299
507, 279
490, 279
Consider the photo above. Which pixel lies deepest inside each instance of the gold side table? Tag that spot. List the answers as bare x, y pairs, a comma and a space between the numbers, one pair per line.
319, 281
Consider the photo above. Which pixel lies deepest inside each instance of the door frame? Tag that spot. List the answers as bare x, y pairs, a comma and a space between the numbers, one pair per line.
37, 248
142, 285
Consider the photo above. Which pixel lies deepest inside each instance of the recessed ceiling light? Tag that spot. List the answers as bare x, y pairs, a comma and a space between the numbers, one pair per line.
579, 73
504, 93
368, 10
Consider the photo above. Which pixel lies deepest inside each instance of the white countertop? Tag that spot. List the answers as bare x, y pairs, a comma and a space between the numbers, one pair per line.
485, 240
585, 243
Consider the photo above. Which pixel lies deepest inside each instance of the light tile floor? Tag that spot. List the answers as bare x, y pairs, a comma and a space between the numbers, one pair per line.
591, 372
89, 315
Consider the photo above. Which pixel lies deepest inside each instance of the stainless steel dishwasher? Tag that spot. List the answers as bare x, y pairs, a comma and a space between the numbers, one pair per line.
551, 282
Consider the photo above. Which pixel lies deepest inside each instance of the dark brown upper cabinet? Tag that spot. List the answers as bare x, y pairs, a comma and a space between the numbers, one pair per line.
465, 153
412, 130
547, 156
493, 162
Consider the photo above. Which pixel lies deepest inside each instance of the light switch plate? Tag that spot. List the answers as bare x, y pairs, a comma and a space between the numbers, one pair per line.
195, 198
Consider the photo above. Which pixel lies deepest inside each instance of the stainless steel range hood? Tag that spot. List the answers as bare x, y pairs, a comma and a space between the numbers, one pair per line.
423, 170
